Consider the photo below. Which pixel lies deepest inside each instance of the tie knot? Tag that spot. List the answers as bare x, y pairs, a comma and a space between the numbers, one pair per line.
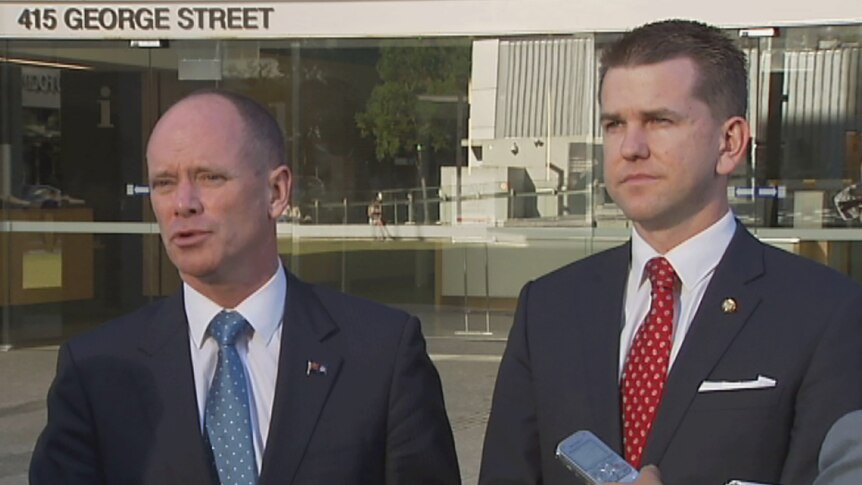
226, 327
661, 273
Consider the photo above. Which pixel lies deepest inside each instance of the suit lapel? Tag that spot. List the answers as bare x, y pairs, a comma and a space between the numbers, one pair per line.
170, 397
710, 334
600, 347
301, 391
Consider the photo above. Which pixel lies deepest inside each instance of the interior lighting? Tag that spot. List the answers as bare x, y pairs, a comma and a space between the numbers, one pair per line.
148, 43
759, 32
33, 62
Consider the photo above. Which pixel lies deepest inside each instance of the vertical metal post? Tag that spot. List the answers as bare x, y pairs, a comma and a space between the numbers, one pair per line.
467, 309
487, 293
344, 204
421, 169
394, 209
410, 216
459, 158
9, 84
294, 141
6, 315
295, 108
466, 305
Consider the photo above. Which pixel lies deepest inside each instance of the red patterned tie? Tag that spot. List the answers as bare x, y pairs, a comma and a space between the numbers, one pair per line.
646, 365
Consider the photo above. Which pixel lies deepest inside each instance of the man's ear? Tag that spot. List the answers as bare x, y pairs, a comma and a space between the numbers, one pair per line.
279, 190
733, 146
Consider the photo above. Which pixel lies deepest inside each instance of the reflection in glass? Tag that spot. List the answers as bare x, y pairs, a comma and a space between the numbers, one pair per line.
426, 171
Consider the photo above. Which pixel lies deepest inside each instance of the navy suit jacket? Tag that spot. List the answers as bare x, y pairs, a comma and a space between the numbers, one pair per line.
796, 322
122, 408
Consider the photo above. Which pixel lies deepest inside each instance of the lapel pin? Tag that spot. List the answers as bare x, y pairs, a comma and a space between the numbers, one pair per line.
728, 305
313, 367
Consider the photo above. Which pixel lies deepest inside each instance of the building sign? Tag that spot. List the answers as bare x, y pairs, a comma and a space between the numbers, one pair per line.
135, 21
40, 87
268, 19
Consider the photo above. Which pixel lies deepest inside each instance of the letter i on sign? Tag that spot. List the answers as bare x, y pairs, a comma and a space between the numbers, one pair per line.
104, 108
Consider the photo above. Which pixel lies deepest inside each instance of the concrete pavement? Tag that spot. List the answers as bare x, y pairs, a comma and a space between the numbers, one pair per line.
24, 379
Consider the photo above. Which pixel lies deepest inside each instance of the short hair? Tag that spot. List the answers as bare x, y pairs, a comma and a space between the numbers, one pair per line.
263, 139
722, 73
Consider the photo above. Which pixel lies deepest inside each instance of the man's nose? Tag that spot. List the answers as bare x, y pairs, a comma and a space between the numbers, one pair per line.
186, 200
634, 144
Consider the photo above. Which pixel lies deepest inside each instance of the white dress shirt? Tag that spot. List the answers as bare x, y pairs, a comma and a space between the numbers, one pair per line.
694, 262
264, 311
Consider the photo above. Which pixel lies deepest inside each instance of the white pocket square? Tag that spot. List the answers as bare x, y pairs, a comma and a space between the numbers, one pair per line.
762, 382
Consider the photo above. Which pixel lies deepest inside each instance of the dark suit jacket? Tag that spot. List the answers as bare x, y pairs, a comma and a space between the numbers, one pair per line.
122, 408
797, 322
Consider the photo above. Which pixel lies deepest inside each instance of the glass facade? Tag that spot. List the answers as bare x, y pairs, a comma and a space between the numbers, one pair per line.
483, 156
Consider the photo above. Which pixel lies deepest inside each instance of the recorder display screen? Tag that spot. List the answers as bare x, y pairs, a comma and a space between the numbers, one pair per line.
589, 454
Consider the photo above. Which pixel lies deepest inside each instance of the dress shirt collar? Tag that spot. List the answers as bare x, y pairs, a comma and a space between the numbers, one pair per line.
692, 260
263, 309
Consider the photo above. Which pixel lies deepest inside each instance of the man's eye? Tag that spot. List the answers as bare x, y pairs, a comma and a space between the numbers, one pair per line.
610, 125
160, 184
661, 121
212, 177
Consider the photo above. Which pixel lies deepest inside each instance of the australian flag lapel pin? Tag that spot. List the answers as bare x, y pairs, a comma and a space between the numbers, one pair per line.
313, 367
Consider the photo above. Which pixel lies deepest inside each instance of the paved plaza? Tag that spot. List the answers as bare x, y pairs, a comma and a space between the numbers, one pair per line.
467, 364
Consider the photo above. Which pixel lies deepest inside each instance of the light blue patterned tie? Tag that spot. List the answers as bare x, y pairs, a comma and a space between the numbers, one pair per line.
227, 419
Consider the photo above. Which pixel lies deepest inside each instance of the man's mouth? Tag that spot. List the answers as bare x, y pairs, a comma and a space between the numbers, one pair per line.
188, 238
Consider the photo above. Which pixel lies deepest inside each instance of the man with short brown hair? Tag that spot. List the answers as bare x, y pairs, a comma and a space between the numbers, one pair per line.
693, 347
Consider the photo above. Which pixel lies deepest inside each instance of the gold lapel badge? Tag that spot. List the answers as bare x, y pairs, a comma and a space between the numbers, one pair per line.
728, 305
